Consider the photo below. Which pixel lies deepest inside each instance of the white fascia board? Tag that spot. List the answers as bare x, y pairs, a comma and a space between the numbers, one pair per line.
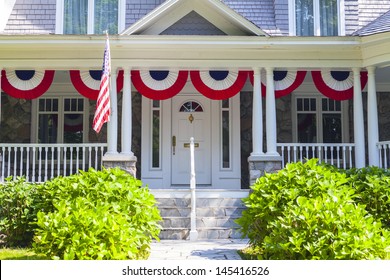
150, 18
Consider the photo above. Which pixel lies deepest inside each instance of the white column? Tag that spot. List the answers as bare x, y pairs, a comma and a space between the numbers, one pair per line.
112, 125
372, 119
270, 113
360, 153
126, 113
257, 115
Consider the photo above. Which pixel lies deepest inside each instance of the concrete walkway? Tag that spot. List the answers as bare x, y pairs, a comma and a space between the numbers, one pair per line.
222, 249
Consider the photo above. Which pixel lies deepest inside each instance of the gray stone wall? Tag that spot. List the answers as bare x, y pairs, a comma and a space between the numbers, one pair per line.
32, 17
15, 124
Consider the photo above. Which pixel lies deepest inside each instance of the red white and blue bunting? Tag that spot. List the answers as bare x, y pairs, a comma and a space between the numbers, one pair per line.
337, 85
157, 84
285, 82
87, 82
26, 84
219, 85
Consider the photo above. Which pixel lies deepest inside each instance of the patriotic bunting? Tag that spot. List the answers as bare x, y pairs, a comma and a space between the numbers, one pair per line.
285, 82
26, 84
337, 85
219, 85
87, 82
159, 85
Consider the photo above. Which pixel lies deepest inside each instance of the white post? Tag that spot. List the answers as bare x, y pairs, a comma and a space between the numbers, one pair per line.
257, 119
270, 112
112, 125
360, 153
372, 119
193, 231
127, 114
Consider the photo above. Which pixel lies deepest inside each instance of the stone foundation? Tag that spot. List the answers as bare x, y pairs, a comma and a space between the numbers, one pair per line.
124, 162
258, 165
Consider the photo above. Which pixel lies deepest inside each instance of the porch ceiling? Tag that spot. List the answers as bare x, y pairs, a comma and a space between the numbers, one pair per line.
190, 52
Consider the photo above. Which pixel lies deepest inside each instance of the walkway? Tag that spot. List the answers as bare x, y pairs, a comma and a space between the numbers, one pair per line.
222, 249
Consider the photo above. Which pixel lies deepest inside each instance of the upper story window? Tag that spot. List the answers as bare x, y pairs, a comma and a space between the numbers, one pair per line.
316, 17
90, 16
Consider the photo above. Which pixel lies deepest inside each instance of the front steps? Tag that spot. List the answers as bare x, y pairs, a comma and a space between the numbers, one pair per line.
216, 211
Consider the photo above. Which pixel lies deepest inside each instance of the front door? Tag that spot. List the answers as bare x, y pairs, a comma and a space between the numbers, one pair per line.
191, 118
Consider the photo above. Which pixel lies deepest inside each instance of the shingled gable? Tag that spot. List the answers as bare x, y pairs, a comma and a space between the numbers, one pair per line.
215, 12
379, 25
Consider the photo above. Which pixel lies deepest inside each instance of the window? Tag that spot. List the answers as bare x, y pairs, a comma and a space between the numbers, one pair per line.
156, 134
319, 120
316, 17
61, 120
90, 16
225, 133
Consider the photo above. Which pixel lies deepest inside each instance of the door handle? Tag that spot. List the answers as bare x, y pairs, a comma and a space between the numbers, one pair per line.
173, 144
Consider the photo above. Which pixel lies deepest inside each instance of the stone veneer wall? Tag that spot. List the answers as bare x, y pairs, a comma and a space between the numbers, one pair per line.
284, 128
15, 124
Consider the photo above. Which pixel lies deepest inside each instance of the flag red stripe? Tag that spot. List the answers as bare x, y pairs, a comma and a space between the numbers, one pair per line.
102, 113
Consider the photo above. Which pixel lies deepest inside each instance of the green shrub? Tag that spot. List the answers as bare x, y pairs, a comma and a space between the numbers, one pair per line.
372, 185
17, 212
96, 215
309, 211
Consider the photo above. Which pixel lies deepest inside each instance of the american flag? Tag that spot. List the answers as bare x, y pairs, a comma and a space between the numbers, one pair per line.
102, 113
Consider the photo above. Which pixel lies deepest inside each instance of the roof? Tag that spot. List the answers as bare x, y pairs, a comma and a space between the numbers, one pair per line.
379, 25
215, 11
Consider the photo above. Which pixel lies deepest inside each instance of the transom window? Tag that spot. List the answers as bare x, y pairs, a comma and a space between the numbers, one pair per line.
316, 17
90, 16
191, 106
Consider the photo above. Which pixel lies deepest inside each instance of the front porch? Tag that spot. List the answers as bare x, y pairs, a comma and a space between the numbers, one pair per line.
41, 162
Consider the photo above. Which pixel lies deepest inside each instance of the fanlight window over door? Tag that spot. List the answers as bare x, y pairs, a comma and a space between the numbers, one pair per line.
191, 106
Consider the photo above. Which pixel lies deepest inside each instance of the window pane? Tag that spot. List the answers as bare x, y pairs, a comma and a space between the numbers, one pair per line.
73, 128
304, 17
225, 139
106, 16
47, 128
307, 128
156, 139
328, 17
331, 125
75, 16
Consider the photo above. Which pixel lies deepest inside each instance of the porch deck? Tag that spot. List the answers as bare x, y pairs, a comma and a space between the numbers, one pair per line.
40, 162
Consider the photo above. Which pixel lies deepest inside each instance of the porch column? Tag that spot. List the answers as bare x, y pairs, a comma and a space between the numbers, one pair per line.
257, 115
372, 119
112, 125
270, 113
126, 114
358, 120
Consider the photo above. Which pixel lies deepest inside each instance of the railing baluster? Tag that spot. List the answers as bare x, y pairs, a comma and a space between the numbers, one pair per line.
28, 163
58, 160
386, 151
46, 162
15, 161
71, 161
21, 161
52, 159
39, 164
2, 164
77, 159
96, 153
380, 155
89, 157
64, 159
33, 163
344, 158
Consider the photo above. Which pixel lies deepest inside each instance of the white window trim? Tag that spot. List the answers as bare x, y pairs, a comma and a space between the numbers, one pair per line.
60, 136
319, 112
317, 30
90, 22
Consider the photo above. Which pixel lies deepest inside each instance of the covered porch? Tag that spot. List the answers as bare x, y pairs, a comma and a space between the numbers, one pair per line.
262, 56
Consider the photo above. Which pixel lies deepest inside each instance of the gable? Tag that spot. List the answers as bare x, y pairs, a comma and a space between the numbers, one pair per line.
211, 17
192, 24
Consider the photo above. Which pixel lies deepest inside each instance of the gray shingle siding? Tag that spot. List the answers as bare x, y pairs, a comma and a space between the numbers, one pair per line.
369, 10
281, 16
351, 16
136, 9
32, 17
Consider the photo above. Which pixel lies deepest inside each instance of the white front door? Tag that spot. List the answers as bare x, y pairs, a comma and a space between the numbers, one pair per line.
191, 118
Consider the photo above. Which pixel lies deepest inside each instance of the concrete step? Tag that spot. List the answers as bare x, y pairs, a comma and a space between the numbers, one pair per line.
216, 212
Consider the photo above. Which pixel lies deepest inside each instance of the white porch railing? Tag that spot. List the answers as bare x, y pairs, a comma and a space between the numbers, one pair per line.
384, 154
341, 155
40, 162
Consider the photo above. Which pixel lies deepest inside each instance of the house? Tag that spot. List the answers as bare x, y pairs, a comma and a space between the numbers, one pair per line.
257, 83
